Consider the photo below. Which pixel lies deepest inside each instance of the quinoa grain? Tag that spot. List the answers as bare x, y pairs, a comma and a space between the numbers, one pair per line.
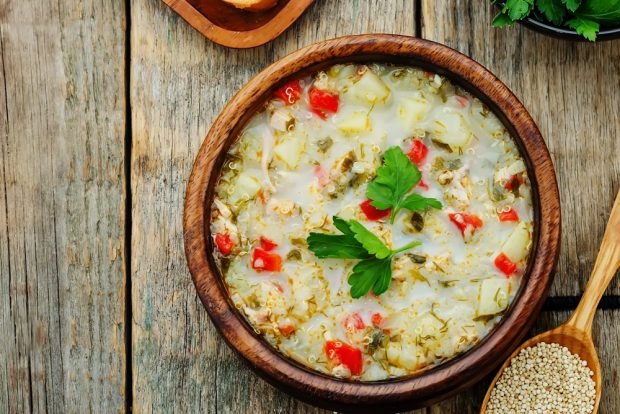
544, 379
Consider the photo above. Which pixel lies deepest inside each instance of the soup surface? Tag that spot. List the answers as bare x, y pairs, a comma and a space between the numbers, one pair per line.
372, 221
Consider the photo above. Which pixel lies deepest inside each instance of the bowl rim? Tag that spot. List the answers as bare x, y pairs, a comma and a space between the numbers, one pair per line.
429, 386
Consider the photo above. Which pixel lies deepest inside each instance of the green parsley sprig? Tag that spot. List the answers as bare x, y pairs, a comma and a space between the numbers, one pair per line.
391, 187
585, 16
374, 271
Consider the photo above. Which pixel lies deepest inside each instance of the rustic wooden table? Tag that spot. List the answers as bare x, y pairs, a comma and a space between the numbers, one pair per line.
104, 107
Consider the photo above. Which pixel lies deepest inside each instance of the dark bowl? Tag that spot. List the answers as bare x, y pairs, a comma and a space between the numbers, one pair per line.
426, 387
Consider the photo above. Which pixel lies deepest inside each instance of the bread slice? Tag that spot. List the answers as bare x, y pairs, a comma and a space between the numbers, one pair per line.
252, 5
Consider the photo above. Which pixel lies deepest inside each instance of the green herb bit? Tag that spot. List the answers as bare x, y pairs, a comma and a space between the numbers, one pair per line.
374, 271
395, 179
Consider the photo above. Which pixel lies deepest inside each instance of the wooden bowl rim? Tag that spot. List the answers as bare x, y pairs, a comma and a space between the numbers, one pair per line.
432, 385
240, 39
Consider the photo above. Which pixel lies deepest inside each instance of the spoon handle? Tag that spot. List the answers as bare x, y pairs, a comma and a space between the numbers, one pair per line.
607, 263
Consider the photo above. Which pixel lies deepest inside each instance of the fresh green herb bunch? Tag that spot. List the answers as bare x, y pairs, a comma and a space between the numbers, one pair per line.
585, 16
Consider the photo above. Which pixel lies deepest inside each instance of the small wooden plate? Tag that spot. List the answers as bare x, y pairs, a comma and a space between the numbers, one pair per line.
232, 27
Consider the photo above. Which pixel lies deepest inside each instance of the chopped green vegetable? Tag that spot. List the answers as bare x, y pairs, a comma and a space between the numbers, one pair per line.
374, 271
585, 16
394, 180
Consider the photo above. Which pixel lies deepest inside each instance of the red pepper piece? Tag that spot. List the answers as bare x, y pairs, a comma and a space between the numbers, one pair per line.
354, 321
514, 182
377, 319
505, 265
418, 152
510, 215
289, 93
373, 213
322, 102
266, 244
224, 243
341, 353
287, 330
422, 184
465, 222
263, 260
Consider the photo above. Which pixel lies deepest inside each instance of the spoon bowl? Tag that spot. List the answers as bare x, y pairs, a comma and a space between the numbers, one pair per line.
576, 333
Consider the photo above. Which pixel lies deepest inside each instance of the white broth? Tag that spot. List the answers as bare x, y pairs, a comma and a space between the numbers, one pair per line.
310, 155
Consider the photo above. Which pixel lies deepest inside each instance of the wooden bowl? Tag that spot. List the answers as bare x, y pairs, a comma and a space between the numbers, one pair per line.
232, 27
434, 384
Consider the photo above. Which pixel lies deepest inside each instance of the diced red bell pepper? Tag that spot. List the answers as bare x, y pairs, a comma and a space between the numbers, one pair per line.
354, 321
287, 329
465, 222
422, 184
463, 101
510, 215
505, 265
289, 93
373, 213
418, 152
266, 244
341, 353
264, 260
377, 319
224, 243
514, 182
322, 102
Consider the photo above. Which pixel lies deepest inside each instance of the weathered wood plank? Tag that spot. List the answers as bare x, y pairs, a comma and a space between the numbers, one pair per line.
607, 340
179, 83
571, 90
62, 126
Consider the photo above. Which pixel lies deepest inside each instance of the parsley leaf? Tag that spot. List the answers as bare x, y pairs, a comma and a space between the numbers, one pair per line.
394, 180
417, 202
572, 5
501, 20
337, 246
370, 273
602, 11
585, 27
552, 9
518, 9
370, 242
357, 242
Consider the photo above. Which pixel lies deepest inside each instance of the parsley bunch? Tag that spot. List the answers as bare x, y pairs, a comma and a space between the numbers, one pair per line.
394, 180
585, 16
374, 271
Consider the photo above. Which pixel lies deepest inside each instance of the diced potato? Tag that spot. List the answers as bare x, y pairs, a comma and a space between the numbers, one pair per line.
355, 123
408, 357
412, 111
290, 149
515, 246
281, 119
450, 129
246, 187
369, 88
427, 325
393, 353
493, 296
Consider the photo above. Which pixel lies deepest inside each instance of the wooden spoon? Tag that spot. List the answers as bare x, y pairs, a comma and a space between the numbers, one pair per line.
576, 333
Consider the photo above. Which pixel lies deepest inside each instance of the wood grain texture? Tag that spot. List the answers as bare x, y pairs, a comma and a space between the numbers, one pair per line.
607, 340
62, 185
571, 90
179, 84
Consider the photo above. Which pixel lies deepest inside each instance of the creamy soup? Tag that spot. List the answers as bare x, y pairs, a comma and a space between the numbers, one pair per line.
372, 221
